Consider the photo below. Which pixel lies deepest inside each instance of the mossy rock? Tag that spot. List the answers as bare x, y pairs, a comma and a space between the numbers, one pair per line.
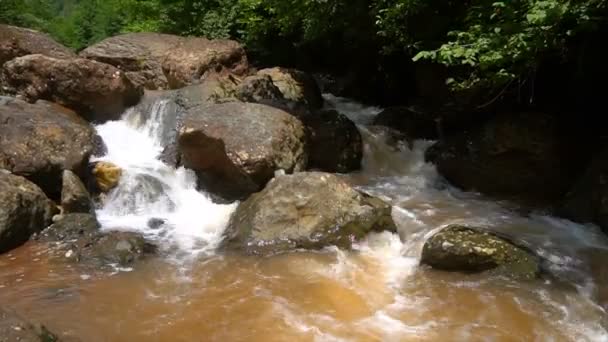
472, 250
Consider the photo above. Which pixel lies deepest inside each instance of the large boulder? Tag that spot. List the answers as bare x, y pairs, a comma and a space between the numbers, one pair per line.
74, 196
17, 42
259, 89
39, 141
193, 59
138, 55
97, 91
335, 142
469, 250
235, 148
13, 327
413, 124
520, 156
587, 200
308, 210
24, 210
78, 238
296, 86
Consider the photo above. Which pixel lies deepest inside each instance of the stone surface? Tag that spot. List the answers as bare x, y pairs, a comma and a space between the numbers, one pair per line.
308, 210
40, 140
235, 148
74, 196
193, 59
587, 200
413, 124
77, 238
296, 86
138, 55
335, 142
464, 249
17, 42
24, 210
106, 176
516, 155
97, 91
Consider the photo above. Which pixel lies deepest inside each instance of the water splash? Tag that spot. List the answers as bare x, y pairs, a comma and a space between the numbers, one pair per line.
153, 198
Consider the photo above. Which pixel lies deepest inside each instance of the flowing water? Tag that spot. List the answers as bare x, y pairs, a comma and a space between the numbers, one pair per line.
377, 292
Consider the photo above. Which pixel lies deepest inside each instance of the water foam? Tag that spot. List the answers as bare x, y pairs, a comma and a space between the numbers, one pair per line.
150, 189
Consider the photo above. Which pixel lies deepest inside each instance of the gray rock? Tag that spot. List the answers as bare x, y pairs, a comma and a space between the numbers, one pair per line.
15, 328
24, 211
308, 210
74, 196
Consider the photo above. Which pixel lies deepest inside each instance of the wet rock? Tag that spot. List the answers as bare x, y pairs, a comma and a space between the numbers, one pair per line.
138, 55
74, 196
464, 249
587, 200
235, 148
39, 141
17, 42
106, 176
308, 210
296, 86
335, 142
77, 238
413, 124
24, 210
15, 328
140, 190
155, 223
97, 91
192, 59
518, 156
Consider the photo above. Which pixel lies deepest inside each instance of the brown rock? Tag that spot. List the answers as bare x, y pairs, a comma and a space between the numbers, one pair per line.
195, 58
235, 148
296, 86
74, 196
106, 175
17, 42
97, 91
39, 141
138, 55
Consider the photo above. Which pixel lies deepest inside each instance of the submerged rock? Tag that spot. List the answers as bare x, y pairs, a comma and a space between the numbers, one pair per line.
520, 156
335, 142
97, 91
15, 328
39, 141
18, 41
308, 210
24, 210
464, 249
106, 176
235, 148
74, 196
296, 86
78, 238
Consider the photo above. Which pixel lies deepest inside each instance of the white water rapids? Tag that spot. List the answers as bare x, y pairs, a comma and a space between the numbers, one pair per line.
422, 203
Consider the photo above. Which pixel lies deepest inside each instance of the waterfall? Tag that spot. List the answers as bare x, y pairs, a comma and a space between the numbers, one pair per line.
153, 198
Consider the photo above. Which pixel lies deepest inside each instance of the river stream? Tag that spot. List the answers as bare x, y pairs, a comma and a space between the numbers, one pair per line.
377, 292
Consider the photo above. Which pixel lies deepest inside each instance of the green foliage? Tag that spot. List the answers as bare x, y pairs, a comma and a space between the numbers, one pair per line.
499, 41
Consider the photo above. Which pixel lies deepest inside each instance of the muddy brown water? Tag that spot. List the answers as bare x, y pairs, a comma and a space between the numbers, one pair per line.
377, 292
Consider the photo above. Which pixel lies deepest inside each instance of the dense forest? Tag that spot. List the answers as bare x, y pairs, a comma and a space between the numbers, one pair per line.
478, 50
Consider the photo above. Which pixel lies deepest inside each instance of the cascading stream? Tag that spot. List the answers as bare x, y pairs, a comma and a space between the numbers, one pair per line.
151, 190
377, 292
